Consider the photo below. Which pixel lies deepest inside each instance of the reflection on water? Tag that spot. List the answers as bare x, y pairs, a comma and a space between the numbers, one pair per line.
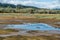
32, 26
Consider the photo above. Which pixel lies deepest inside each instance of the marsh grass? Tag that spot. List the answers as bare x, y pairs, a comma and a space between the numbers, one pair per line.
30, 38
7, 31
56, 16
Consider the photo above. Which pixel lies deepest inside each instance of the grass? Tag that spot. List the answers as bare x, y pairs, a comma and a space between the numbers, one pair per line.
43, 18
19, 37
56, 16
7, 31
16, 15
22, 37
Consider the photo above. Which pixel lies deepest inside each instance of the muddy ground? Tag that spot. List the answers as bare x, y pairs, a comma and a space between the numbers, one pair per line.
11, 20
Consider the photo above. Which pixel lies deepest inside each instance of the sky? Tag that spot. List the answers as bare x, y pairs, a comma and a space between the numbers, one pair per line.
37, 3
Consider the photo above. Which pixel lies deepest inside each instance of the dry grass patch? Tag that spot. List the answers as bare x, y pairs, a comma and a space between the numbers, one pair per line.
7, 31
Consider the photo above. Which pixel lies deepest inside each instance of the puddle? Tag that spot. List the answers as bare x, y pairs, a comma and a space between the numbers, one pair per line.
32, 26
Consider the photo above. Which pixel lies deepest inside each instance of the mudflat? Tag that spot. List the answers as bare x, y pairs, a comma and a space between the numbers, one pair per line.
20, 20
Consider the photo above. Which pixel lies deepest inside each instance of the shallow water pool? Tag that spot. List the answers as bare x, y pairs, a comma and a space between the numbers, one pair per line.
32, 26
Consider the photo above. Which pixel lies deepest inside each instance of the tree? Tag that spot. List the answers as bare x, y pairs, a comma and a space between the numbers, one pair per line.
32, 11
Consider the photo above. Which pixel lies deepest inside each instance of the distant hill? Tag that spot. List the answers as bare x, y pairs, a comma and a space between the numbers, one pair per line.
56, 9
14, 6
6, 5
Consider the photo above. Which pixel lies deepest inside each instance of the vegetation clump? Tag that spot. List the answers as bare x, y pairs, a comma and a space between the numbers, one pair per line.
7, 31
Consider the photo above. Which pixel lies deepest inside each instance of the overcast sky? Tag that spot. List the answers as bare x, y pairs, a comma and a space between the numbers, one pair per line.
37, 3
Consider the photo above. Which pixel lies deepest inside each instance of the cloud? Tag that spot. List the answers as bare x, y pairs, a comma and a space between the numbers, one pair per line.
37, 3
